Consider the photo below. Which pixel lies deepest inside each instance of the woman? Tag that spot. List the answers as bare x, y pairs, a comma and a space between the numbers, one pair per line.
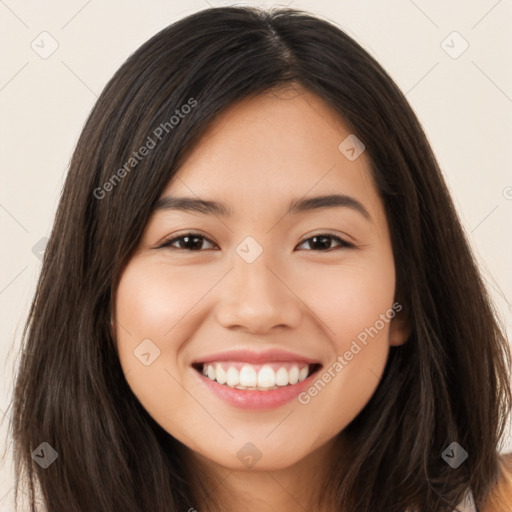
257, 293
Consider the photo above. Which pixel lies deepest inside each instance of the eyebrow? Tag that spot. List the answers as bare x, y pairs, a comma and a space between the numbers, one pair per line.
296, 205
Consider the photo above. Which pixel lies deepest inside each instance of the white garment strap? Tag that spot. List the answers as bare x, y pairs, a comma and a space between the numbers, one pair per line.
467, 505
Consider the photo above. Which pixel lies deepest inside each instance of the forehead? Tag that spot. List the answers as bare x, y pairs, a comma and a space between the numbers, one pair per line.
273, 146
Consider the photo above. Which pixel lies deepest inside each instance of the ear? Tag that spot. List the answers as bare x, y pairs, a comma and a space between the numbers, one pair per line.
399, 329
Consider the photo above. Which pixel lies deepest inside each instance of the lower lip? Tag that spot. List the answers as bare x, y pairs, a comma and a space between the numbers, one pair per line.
254, 399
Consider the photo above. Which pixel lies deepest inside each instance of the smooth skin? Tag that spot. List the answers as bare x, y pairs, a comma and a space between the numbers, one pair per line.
195, 299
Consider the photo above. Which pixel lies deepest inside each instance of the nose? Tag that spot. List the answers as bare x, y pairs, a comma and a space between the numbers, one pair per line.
258, 299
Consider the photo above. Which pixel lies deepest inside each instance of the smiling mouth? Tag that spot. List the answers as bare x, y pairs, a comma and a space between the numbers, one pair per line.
259, 377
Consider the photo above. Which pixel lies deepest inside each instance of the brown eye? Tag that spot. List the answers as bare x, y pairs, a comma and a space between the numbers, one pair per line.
323, 242
186, 242
195, 241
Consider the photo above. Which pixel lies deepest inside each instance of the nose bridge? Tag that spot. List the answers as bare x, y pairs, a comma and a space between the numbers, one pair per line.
256, 297
252, 264
255, 278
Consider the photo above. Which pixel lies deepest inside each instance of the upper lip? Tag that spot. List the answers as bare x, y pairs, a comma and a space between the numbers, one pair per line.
256, 357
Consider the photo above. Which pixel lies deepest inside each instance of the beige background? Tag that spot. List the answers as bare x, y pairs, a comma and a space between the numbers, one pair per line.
462, 98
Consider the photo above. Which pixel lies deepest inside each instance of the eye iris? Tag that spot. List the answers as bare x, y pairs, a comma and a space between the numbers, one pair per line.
326, 241
186, 242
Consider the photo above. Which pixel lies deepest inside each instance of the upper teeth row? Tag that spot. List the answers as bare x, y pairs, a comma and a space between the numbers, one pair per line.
266, 377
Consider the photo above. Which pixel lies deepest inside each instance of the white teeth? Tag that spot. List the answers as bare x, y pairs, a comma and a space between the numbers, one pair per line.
266, 377
293, 375
232, 378
282, 377
303, 373
220, 375
248, 378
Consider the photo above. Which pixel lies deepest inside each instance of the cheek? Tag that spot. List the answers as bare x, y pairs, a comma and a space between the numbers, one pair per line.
148, 309
349, 299
354, 304
154, 300
152, 306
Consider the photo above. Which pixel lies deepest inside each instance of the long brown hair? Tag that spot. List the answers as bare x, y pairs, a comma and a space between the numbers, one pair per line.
448, 383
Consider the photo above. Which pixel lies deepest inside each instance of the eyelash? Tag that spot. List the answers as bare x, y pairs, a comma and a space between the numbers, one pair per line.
343, 243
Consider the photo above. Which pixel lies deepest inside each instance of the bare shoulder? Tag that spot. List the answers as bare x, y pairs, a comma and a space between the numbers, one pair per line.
500, 499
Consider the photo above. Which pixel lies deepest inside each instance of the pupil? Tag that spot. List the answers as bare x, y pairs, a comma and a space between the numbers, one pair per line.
187, 239
326, 241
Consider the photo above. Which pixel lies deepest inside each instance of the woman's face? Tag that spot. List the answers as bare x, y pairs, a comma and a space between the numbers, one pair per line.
274, 294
